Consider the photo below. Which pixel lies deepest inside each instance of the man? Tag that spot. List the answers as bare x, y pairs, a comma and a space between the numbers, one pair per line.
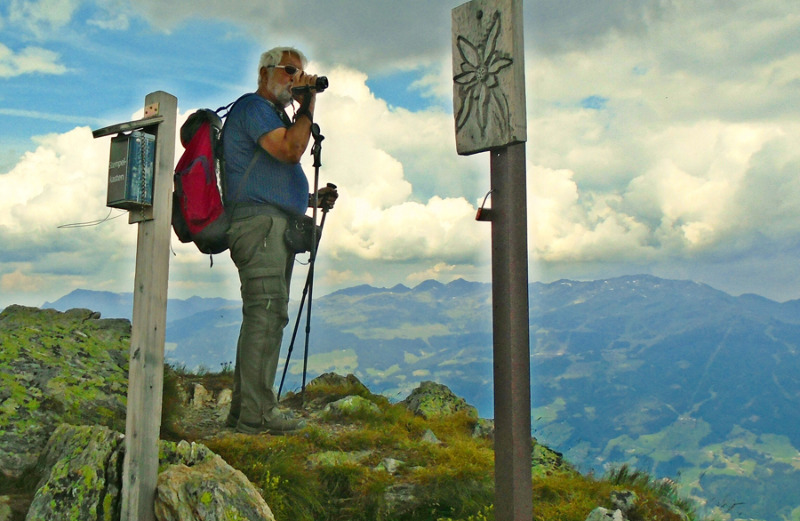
265, 182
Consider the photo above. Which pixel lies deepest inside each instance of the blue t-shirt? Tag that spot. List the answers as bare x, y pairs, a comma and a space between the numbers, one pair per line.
269, 181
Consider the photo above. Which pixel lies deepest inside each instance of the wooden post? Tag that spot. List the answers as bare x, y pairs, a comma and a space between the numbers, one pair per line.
489, 109
488, 75
146, 371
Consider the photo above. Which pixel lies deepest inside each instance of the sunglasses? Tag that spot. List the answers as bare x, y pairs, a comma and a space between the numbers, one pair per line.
291, 70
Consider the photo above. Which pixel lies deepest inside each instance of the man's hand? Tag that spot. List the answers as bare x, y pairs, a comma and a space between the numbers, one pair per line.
326, 196
301, 81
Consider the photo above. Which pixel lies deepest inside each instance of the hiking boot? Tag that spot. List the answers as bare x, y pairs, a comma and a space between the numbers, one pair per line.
277, 424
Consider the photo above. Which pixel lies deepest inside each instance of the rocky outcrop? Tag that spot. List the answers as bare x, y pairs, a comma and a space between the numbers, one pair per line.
81, 475
57, 367
81, 480
65, 374
432, 400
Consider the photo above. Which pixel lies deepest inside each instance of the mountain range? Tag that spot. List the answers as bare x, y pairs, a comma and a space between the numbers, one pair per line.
673, 377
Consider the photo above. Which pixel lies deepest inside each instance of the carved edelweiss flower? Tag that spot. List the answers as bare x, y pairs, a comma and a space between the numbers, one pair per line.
479, 76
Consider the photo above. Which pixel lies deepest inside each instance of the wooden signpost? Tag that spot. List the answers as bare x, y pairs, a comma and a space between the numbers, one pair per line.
146, 365
490, 115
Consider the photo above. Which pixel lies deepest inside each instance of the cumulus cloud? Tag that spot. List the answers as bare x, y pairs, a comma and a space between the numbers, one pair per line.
61, 182
51, 185
382, 218
379, 158
703, 186
29, 60
660, 134
688, 154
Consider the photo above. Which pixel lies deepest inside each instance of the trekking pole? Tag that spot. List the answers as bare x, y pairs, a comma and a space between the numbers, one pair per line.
308, 288
316, 151
300, 310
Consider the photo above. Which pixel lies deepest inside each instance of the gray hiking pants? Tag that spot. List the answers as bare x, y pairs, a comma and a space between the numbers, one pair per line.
265, 269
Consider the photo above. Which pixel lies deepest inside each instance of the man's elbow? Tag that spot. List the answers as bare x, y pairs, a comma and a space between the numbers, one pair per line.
294, 155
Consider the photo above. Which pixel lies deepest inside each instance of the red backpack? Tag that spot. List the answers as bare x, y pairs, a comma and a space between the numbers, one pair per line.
197, 212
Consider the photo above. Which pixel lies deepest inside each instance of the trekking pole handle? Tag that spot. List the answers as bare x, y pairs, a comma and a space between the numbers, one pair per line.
332, 186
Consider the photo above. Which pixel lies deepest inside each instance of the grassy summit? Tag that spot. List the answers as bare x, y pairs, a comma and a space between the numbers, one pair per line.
361, 457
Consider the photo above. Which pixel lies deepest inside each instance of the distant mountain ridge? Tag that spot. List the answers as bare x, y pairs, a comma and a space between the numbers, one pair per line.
674, 377
120, 305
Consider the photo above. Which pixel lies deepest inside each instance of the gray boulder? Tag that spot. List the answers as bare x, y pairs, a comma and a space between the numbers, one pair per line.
80, 469
81, 479
603, 514
433, 400
624, 500
210, 491
352, 405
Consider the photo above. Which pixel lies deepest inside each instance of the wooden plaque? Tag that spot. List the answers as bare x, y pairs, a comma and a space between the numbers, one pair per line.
488, 75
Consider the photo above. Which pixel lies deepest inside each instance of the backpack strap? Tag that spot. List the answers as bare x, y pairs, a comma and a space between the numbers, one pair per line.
220, 153
246, 175
228, 108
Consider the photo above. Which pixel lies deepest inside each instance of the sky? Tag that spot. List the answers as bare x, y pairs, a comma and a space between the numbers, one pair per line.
661, 138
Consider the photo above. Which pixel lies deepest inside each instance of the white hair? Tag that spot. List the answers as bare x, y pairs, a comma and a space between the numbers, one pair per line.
274, 57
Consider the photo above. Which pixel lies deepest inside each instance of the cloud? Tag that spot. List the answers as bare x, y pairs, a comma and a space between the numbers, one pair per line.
661, 136
59, 118
111, 22
437, 272
370, 35
111, 15
29, 60
41, 16
384, 219
571, 25
51, 185
704, 186
62, 181
379, 158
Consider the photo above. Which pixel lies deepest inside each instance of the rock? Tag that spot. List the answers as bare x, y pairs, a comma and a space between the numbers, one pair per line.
211, 490
432, 400
602, 514
624, 500
182, 453
390, 465
430, 437
200, 396
483, 429
81, 479
80, 469
57, 367
400, 498
352, 405
545, 460
14, 507
224, 398
337, 380
224, 404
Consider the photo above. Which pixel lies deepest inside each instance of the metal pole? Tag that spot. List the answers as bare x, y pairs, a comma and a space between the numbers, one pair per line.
512, 384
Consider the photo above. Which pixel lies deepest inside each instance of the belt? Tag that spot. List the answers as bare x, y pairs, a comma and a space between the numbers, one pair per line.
242, 210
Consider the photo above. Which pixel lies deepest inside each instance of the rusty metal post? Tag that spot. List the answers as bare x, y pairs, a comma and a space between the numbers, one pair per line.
490, 115
512, 381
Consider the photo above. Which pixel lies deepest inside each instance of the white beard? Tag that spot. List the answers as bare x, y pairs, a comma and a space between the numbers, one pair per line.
282, 93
